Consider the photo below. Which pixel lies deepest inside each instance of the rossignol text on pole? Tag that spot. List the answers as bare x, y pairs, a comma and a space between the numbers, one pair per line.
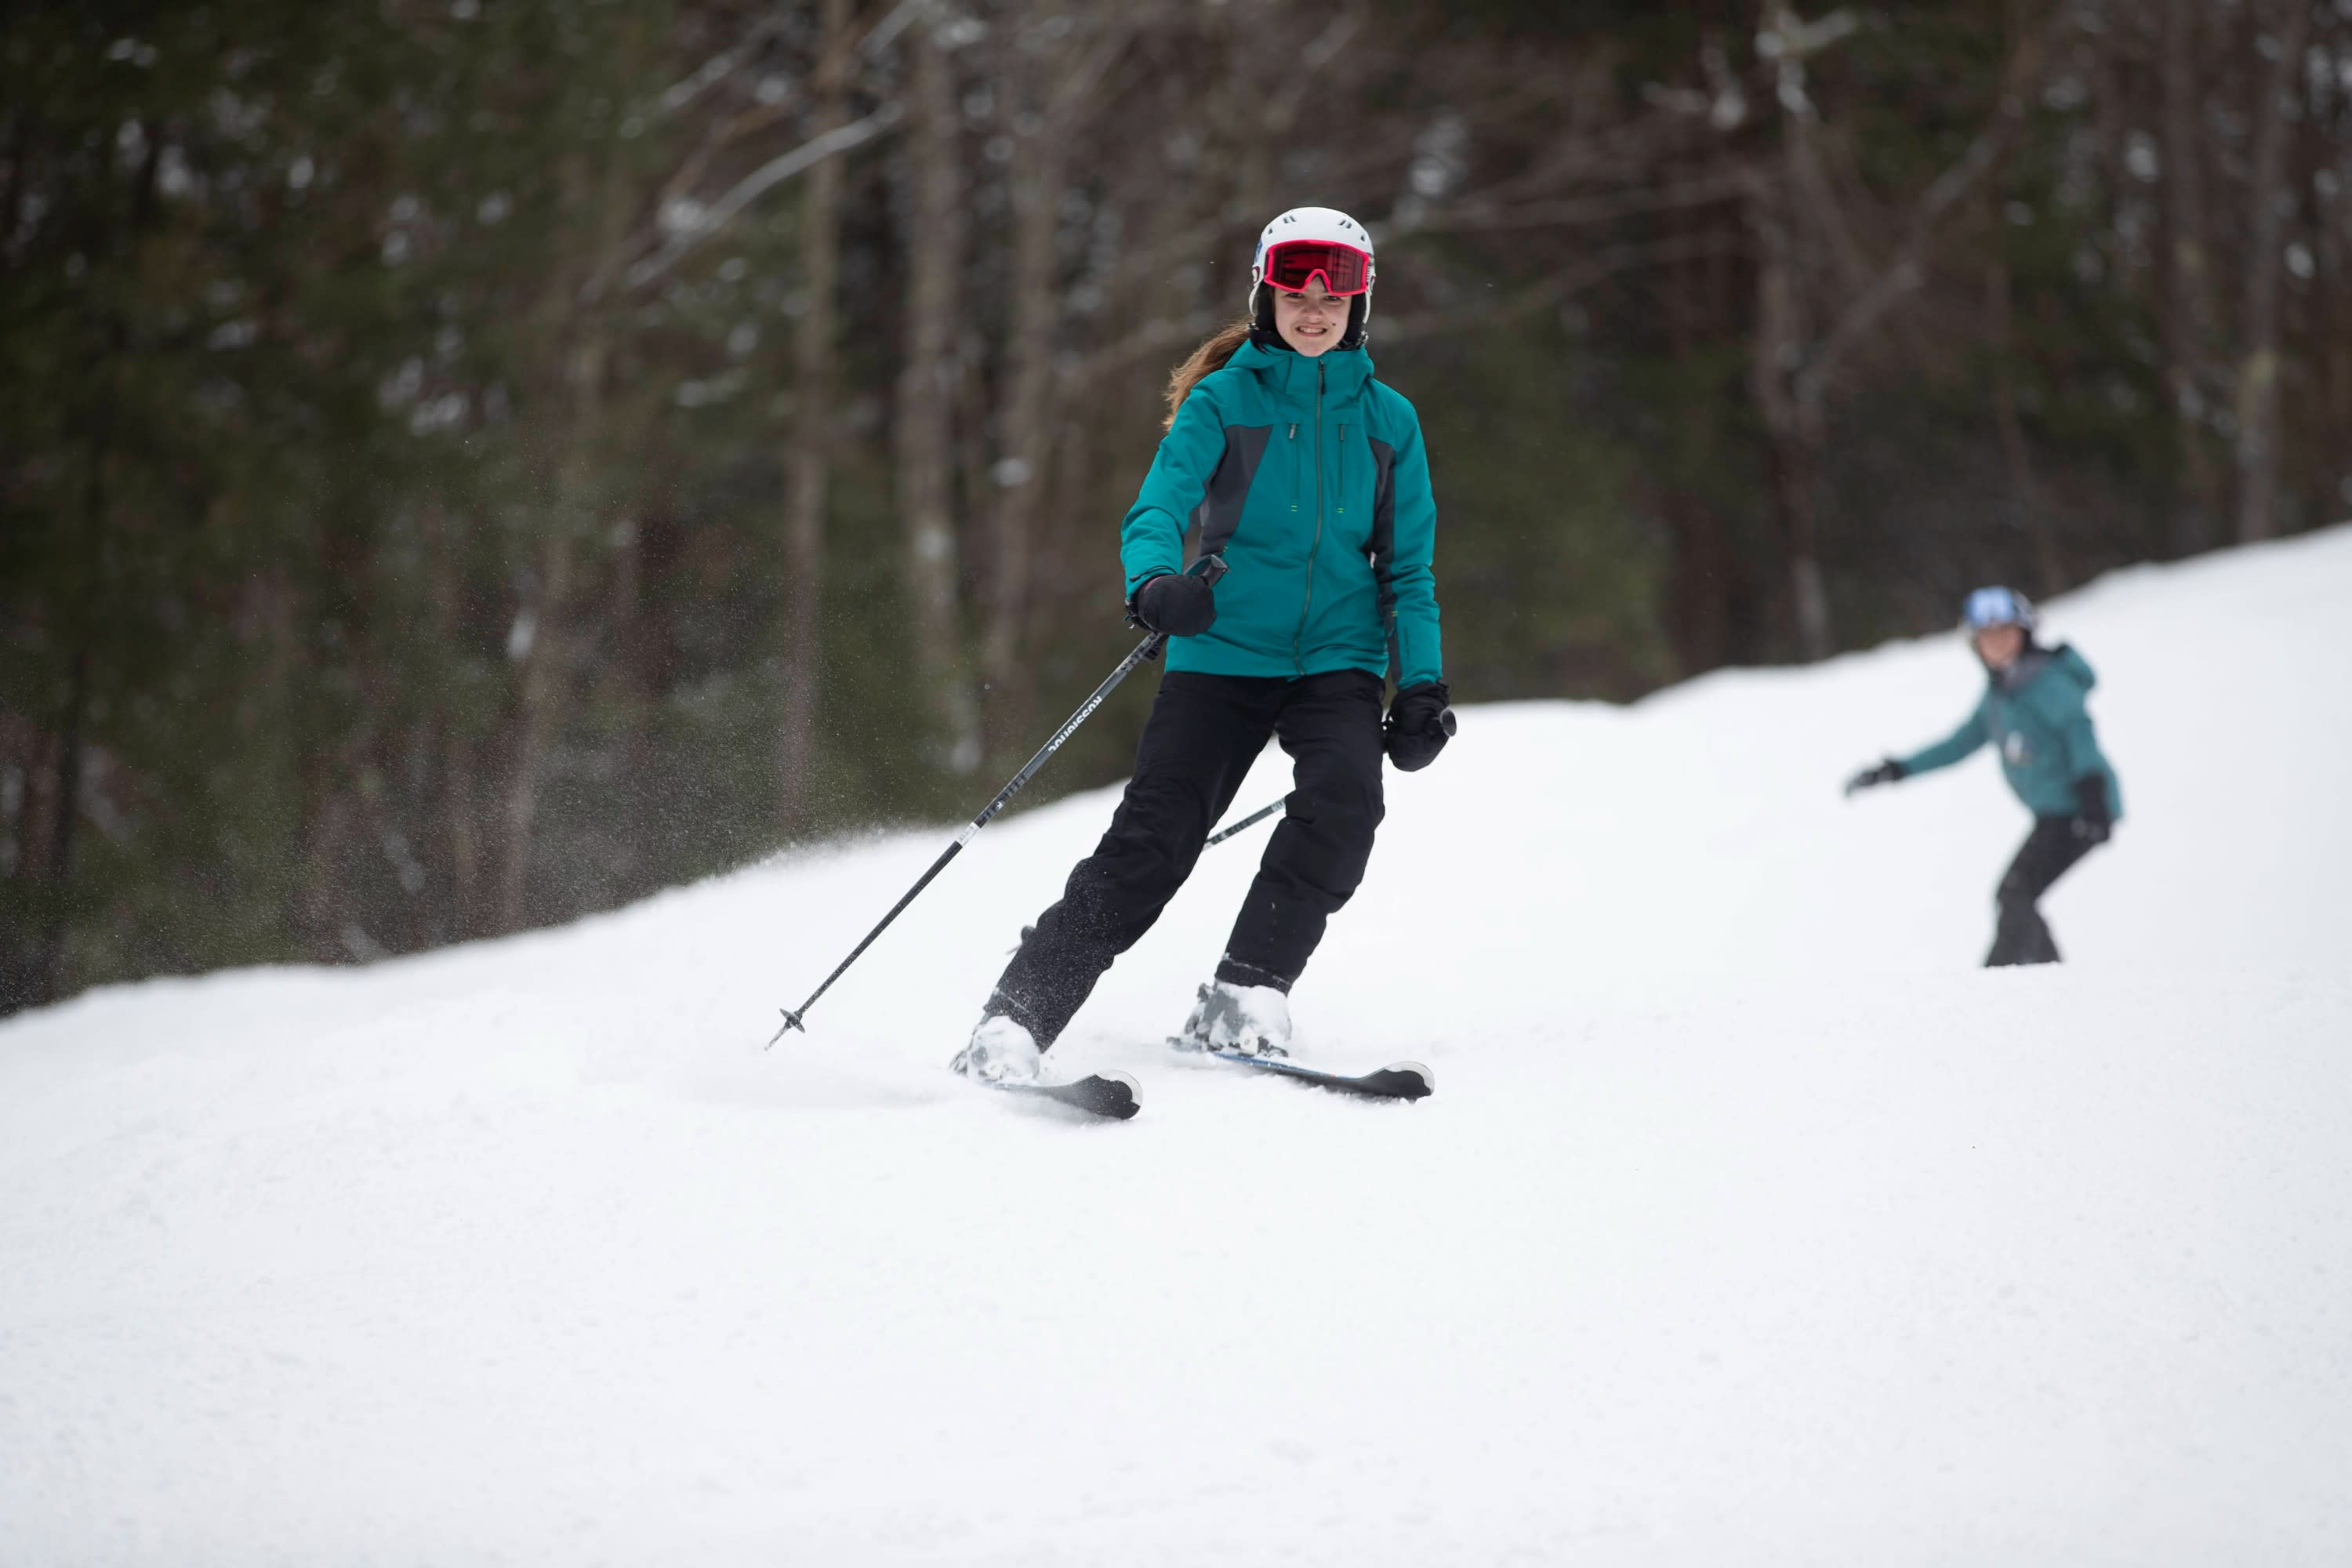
1210, 567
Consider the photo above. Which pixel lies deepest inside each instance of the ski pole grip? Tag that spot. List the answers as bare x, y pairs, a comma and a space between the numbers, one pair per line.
1208, 568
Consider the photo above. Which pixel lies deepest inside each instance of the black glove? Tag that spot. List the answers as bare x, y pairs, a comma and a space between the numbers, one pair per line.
1177, 603
1885, 772
2092, 823
1418, 725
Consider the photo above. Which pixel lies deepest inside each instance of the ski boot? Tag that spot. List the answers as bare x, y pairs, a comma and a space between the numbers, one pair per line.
1000, 1051
1240, 1020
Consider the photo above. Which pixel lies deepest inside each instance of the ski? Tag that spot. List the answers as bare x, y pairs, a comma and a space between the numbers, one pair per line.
1398, 1080
1113, 1096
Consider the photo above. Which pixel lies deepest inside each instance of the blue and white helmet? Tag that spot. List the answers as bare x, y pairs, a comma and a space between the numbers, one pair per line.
1997, 608
1332, 226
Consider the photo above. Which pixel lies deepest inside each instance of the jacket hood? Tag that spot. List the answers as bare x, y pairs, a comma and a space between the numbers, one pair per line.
2037, 660
2074, 666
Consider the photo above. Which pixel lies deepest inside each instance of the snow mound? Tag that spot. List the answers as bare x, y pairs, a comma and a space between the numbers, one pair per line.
1750, 1223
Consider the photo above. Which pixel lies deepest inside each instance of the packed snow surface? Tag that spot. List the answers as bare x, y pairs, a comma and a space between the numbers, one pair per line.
1751, 1224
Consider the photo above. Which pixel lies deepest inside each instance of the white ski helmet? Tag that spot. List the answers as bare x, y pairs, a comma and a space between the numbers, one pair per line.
1309, 226
1997, 608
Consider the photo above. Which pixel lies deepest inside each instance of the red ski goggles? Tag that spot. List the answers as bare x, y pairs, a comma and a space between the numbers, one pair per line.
1345, 271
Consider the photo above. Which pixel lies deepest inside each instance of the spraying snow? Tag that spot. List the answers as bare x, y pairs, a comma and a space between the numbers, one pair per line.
1750, 1222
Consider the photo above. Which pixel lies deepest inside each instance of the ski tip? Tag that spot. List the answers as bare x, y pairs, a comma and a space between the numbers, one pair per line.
1134, 1095
1114, 1094
1414, 1070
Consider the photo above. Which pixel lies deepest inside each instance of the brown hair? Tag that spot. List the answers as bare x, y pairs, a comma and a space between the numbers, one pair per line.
1205, 361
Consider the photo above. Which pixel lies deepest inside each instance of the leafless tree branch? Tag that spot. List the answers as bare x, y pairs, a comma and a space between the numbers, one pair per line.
720, 66
757, 184
1564, 285
1908, 269
1571, 212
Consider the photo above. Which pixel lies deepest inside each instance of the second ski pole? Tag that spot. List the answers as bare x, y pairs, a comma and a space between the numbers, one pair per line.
1252, 820
1208, 568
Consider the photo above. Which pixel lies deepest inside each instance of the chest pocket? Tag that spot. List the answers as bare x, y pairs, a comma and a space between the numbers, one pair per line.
2016, 728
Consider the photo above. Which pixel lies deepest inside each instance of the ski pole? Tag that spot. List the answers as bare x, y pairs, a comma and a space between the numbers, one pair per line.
1210, 567
1262, 813
1252, 820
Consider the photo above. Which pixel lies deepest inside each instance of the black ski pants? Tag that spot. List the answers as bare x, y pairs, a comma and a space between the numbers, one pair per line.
2020, 934
1203, 733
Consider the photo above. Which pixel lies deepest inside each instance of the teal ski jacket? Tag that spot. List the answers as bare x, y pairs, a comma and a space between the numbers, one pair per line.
2034, 715
1308, 477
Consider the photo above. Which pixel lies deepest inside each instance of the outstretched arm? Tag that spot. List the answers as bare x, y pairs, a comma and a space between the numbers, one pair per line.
1960, 743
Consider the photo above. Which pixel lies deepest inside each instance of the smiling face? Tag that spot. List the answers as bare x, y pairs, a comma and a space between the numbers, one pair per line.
1310, 321
1999, 646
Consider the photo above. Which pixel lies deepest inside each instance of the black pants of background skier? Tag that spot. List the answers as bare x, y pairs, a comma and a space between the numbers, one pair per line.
2021, 935
1203, 733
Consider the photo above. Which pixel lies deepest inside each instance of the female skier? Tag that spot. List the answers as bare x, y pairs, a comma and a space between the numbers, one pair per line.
1307, 477
2033, 712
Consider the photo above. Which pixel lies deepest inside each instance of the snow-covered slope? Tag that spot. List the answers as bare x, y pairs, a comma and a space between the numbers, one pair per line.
1751, 1224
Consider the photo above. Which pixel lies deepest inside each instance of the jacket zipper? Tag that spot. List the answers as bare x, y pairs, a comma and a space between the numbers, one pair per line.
1297, 639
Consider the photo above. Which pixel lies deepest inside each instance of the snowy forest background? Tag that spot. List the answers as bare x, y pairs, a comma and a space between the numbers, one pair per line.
468, 463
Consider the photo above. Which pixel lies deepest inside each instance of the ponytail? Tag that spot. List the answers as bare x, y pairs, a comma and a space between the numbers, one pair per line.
1205, 361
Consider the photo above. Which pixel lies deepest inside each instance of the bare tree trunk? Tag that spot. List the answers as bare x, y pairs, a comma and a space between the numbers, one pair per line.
926, 412
539, 692
547, 639
1710, 591
326, 827
47, 977
1018, 477
1797, 222
2257, 367
972, 402
2335, 283
49, 965
20, 749
1793, 422
2187, 321
2026, 513
2331, 157
543, 684
806, 464
461, 848
1784, 340
47, 969
1796, 467
462, 832
1057, 86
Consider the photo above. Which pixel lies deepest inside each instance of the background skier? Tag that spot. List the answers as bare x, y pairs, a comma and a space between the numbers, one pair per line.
2033, 713
1309, 477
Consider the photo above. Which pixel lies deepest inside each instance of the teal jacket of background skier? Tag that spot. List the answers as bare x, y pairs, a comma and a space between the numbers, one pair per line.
2037, 719
1308, 477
